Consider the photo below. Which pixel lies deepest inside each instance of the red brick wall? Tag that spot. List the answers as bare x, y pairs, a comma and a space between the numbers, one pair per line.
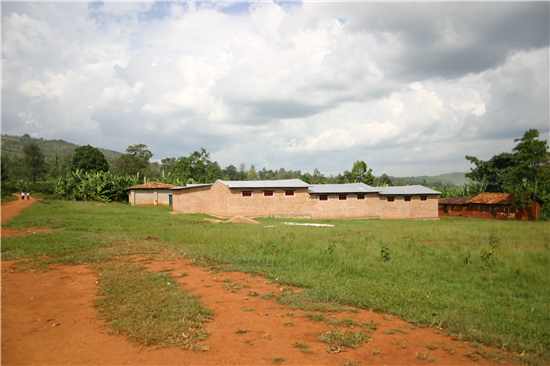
414, 209
490, 212
219, 200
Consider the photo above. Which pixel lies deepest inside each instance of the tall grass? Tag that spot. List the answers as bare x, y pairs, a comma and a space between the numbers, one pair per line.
481, 280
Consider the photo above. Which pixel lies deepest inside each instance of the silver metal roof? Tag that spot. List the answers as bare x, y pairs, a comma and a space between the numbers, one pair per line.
406, 190
343, 188
282, 183
193, 186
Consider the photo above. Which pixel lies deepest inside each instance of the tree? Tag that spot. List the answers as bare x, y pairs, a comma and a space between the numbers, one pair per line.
230, 173
530, 163
166, 163
89, 159
136, 160
384, 180
491, 174
197, 167
251, 173
34, 161
360, 174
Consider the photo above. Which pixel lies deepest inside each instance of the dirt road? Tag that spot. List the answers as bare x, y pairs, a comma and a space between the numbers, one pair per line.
12, 209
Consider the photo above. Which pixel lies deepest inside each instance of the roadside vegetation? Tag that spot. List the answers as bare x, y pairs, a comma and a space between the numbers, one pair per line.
478, 280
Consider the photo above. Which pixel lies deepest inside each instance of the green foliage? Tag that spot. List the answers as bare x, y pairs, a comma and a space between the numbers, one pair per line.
525, 172
98, 186
491, 174
338, 338
89, 159
359, 174
34, 161
385, 253
197, 168
136, 160
531, 165
303, 346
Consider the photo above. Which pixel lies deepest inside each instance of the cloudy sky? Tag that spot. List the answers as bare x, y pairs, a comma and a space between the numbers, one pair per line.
410, 88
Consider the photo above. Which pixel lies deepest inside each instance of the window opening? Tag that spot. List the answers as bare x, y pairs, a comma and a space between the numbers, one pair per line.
391, 199
323, 197
360, 196
289, 193
342, 197
423, 198
247, 193
407, 198
268, 193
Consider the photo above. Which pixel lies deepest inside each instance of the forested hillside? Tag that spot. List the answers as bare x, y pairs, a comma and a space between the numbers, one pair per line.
443, 180
50, 148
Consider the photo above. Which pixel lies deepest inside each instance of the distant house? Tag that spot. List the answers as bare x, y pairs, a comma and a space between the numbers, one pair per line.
454, 206
298, 199
492, 206
151, 194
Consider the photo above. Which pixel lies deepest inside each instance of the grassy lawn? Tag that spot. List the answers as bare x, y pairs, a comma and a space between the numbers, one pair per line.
481, 280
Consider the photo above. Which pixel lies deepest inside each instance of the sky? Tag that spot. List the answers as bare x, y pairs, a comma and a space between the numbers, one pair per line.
409, 88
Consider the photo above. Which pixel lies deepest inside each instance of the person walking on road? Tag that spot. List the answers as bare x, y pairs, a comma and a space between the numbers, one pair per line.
22, 195
28, 197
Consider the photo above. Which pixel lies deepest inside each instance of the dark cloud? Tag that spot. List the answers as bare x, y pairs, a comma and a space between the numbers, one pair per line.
450, 40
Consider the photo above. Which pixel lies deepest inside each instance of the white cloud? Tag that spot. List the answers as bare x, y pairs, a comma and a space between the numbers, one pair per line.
301, 85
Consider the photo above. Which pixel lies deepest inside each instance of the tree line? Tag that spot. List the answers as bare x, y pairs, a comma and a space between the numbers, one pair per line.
87, 174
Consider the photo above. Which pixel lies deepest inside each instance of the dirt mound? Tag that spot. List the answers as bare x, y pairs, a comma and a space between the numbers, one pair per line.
242, 220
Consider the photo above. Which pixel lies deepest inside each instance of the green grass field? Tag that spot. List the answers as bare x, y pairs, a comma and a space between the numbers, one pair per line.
481, 280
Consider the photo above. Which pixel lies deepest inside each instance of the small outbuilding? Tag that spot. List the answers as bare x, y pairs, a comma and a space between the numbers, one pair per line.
151, 194
454, 206
491, 206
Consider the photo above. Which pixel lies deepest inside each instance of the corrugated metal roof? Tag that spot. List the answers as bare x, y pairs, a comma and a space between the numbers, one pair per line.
153, 185
406, 190
192, 186
282, 183
455, 200
494, 199
343, 188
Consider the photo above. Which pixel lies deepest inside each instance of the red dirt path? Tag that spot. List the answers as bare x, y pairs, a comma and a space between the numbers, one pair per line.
49, 319
12, 209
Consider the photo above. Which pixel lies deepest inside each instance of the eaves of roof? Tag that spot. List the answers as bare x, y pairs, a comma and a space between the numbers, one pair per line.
282, 183
343, 188
192, 186
407, 190
153, 185
455, 200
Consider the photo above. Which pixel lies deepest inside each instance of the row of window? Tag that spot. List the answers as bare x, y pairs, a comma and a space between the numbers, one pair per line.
266, 193
341, 197
407, 198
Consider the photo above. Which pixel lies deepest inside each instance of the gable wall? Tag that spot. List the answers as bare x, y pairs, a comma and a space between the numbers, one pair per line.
192, 200
414, 209
149, 197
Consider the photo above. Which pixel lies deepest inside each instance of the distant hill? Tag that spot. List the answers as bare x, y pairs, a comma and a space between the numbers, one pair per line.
443, 180
50, 148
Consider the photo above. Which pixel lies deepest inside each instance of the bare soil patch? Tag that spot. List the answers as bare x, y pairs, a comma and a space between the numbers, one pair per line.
48, 318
